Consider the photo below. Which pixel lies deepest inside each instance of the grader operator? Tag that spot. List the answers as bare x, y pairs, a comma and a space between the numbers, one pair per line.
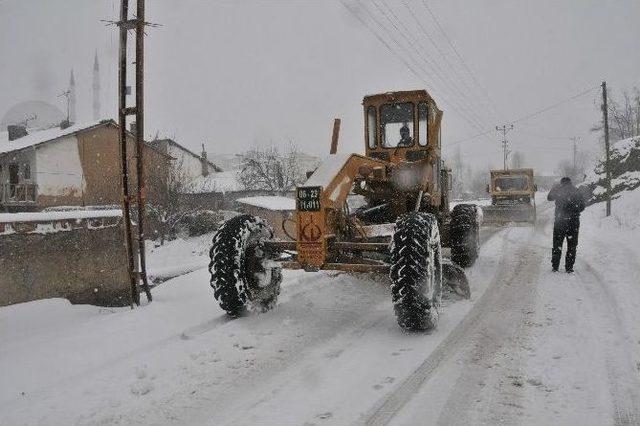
400, 231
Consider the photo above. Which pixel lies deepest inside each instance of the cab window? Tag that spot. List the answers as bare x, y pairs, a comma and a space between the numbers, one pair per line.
371, 127
396, 125
423, 126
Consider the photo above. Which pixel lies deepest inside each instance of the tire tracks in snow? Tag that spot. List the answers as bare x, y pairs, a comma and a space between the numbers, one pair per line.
503, 291
624, 374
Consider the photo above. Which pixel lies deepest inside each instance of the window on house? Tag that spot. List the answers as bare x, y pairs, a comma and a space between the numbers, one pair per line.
26, 172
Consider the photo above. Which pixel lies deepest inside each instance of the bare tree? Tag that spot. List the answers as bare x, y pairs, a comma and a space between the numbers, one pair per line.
577, 171
269, 170
169, 212
457, 174
624, 115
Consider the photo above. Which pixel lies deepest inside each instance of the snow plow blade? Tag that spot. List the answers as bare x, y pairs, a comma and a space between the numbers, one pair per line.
503, 214
454, 280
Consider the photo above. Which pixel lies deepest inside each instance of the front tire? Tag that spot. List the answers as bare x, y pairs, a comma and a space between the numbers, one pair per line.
464, 233
242, 277
416, 271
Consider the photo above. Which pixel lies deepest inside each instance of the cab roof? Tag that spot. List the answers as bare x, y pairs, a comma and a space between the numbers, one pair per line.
399, 96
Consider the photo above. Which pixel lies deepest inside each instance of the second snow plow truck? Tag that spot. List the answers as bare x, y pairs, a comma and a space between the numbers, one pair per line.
512, 197
400, 231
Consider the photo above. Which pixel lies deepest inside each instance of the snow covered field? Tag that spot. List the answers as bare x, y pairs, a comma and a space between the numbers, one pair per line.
530, 347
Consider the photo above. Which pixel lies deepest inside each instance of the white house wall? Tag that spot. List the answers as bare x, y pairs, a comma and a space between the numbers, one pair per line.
58, 168
190, 165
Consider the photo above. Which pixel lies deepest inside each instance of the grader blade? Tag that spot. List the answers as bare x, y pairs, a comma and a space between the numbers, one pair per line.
454, 280
503, 214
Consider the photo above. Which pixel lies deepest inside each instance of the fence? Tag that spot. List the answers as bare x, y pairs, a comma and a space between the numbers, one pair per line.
13, 194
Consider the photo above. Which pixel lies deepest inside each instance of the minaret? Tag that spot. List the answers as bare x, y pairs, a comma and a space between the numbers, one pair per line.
72, 98
96, 88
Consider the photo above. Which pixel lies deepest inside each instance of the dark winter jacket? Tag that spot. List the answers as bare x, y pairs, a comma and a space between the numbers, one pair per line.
569, 201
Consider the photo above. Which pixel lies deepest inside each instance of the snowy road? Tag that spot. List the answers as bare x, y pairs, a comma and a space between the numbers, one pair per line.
531, 347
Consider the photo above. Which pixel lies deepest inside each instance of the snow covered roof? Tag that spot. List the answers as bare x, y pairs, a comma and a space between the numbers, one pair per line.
155, 143
215, 182
42, 136
58, 215
47, 135
268, 202
328, 169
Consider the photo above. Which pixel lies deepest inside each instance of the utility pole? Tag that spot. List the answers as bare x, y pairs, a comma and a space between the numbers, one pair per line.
575, 150
137, 24
505, 152
605, 113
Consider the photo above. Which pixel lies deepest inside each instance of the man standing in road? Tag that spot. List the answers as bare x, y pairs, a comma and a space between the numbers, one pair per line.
569, 205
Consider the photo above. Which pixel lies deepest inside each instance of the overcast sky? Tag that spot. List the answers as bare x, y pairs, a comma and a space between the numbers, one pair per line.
232, 74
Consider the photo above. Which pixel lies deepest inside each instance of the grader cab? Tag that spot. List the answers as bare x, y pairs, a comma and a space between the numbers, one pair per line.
400, 229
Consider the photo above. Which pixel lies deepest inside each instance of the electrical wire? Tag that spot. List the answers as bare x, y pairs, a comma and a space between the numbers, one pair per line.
464, 64
458, 76
401, 57
421, 51
530, 115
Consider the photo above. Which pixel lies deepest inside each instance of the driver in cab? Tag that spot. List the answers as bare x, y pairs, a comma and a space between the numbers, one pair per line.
405, 136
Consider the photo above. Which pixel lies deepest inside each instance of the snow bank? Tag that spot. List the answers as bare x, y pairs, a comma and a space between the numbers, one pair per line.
178, 257
625, 171
625, 215
50, 216
276, 203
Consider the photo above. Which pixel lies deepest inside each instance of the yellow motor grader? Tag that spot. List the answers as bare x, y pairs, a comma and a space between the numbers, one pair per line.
513, 199
400, 228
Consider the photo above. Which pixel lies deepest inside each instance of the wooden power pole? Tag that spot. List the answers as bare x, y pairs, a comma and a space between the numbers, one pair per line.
607, 164
505, 144
137, 24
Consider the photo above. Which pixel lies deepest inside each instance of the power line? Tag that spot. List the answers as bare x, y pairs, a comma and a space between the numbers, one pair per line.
433, 64
413, 14
454, 107
557, 104
464, 64
528, 116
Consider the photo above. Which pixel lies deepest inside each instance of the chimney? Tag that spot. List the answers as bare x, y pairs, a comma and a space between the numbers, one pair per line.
133, 127
204, 162
16, 131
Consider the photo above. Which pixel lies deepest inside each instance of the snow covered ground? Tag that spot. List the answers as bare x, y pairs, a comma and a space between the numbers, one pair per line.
177, 257
530, 347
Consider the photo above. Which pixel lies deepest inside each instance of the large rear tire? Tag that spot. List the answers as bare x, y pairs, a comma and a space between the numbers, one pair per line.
464, 234
416, 271
243, 278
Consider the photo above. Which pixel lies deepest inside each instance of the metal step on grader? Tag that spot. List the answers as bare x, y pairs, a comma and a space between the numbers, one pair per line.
400, 230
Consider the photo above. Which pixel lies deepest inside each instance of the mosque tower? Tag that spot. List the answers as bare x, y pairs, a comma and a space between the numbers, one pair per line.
96, 88
72, 98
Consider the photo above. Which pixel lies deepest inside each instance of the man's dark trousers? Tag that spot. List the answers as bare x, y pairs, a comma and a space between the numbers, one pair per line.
569, 229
